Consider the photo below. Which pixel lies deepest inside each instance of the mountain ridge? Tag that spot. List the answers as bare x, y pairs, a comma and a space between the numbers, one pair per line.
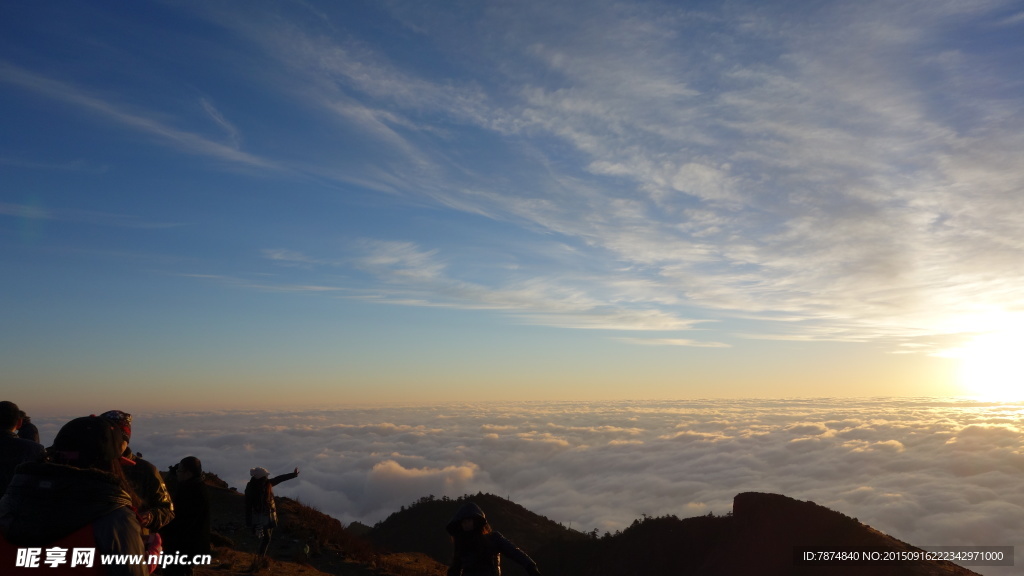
759, 536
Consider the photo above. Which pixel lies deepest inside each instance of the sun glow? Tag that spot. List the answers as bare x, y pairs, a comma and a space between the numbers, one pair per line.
992, 364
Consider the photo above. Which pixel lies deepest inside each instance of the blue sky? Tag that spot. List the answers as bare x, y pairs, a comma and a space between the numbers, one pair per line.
303, 202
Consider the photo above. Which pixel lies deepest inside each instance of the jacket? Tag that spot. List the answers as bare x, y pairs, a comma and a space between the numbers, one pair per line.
149, 486
14, 451
47, 502
189, 532
478, 552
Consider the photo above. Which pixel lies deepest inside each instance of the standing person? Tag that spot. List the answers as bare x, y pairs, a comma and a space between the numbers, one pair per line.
260, 510
13, 450
478, 549
77, 498
189, 533
28, 430
157, 509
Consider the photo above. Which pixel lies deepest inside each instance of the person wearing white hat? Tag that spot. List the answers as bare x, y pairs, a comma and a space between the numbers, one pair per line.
260, 510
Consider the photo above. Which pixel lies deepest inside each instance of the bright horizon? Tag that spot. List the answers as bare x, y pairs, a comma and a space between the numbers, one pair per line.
209, 206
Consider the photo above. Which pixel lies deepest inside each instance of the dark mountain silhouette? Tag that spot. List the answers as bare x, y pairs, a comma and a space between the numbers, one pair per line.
420, 527
767, 527
758, 537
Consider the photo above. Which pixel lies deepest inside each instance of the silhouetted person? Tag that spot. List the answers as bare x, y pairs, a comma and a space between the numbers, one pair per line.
189, 533
260, 510
27, 430
77, 497
478, 549
13, 450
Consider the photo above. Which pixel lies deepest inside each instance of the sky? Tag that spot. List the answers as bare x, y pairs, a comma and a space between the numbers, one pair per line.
931, 472
250, 205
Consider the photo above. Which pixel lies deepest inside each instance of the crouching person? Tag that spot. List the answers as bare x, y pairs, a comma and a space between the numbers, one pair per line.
478, 549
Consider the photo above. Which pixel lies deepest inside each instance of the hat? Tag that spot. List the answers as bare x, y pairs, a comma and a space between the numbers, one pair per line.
87, 441
122, 420
192, 465
259, 473
468, 511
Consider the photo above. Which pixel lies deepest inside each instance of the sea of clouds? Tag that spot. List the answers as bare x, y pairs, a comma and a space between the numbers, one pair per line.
932, 472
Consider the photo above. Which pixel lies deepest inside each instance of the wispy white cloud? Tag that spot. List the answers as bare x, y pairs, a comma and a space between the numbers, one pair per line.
401, 262
40, 212
413, 276
233, 134
26, 211
285, 257
183, 140
1013, 20
673, 342
70, 166
265, 285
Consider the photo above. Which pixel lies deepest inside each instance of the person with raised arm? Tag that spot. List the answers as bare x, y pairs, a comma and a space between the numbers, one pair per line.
260, 510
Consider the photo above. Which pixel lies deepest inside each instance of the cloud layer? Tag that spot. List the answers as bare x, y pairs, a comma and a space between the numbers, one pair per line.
930, 472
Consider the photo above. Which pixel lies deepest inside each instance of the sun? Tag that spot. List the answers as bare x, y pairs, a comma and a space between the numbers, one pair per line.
992, 365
